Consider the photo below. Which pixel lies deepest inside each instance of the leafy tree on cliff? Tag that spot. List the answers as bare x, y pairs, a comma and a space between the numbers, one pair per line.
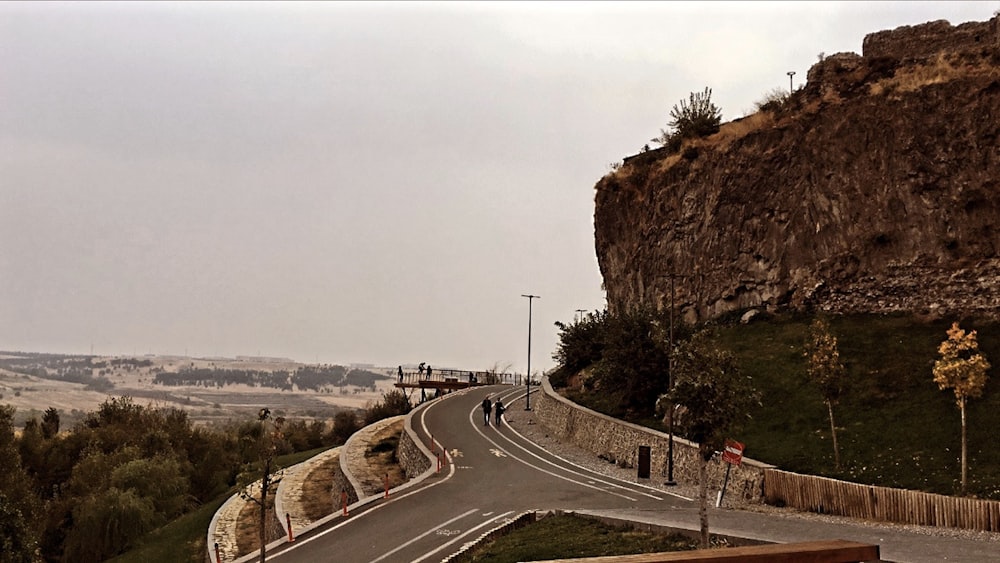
696, 117
581, 345
716, 397
827, 371
962, 369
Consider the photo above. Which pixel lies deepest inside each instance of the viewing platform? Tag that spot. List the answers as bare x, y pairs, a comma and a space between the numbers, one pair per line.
447, 380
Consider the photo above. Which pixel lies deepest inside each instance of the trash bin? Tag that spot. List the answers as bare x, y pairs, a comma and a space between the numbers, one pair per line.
644, 456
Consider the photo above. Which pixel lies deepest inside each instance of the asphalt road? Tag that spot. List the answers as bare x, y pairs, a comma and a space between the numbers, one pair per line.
492, 475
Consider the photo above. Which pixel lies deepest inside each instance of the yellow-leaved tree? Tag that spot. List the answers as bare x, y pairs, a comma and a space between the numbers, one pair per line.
827, 371
962, 369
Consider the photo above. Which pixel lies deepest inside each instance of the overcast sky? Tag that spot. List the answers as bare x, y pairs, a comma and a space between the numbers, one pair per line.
350, 183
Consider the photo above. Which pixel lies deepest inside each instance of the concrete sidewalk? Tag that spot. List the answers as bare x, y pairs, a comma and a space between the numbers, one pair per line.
769, 524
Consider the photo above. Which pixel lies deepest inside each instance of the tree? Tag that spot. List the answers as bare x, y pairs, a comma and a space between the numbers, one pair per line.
962, 369
268, 435
827, 371
696, 117
715, 396
635, 360
50, 423
19, 509
581, 344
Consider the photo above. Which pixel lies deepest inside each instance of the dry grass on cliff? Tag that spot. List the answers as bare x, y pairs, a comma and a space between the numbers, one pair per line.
728, 134
946, 67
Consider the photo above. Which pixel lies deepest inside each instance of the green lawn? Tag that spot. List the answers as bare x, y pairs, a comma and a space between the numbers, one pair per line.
894, 426
565, 536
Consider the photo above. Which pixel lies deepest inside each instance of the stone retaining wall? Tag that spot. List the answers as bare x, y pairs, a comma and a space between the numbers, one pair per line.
413, 458
618, 441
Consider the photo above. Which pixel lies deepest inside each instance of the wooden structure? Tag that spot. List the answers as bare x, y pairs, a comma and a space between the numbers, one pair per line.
824, 551
830, 496
448, 380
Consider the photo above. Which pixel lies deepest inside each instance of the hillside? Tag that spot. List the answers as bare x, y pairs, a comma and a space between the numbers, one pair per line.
871, 189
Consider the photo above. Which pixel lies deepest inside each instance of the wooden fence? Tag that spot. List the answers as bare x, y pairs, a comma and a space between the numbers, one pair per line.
830, 496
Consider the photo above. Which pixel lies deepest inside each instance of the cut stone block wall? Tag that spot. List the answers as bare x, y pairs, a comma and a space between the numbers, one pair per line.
618, 442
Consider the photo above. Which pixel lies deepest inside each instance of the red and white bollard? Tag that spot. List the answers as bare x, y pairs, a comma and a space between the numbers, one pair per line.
218, 559
343, 500
288, 520
386, 485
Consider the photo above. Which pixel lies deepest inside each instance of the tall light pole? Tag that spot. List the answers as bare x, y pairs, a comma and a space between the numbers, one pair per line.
670, 387
527, 379
579, 314
790, 74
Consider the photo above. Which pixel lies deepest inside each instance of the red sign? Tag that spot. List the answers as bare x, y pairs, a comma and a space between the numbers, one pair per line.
733, 452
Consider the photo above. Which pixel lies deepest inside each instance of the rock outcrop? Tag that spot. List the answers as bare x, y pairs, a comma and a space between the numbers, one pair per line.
874, 188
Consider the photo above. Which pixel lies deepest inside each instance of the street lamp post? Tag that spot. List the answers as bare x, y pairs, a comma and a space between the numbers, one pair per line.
579, 314
670, 387
790, 74
527, 379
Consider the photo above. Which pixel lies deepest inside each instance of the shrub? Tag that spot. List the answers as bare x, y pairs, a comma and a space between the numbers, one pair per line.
697, 117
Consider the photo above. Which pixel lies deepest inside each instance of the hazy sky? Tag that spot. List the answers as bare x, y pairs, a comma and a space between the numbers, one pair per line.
338, 182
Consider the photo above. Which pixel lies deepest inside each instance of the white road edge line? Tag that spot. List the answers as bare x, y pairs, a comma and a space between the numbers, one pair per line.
301, 542
590, 471
475, 426
423, 535
469, 531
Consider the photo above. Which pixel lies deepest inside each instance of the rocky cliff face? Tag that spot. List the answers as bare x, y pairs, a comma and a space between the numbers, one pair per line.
876, 188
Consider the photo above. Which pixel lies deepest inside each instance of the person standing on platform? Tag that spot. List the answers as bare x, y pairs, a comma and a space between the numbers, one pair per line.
400, 370
487, 407
428, 371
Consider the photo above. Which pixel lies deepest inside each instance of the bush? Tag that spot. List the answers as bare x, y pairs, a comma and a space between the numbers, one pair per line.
393, 403
773, 101
698, 117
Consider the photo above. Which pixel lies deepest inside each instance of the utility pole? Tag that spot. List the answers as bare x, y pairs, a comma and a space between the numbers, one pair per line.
670, 387
527, 379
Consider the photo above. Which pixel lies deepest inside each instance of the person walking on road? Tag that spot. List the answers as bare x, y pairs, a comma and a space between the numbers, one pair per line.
498, 409
487, 407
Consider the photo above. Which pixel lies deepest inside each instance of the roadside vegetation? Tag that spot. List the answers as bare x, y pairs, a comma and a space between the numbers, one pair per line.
101, 488
894, 426
563, 536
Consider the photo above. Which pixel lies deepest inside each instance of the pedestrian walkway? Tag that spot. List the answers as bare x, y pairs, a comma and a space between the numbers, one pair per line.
764, 523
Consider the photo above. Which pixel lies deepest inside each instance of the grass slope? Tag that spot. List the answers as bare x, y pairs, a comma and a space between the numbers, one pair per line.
894, 426
565, 536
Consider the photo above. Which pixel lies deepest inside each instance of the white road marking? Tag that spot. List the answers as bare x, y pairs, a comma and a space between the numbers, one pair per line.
439, 548
632, 486
543, 470
433, 530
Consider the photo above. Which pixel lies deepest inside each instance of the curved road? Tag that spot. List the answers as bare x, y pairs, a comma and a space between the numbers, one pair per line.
492, 476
